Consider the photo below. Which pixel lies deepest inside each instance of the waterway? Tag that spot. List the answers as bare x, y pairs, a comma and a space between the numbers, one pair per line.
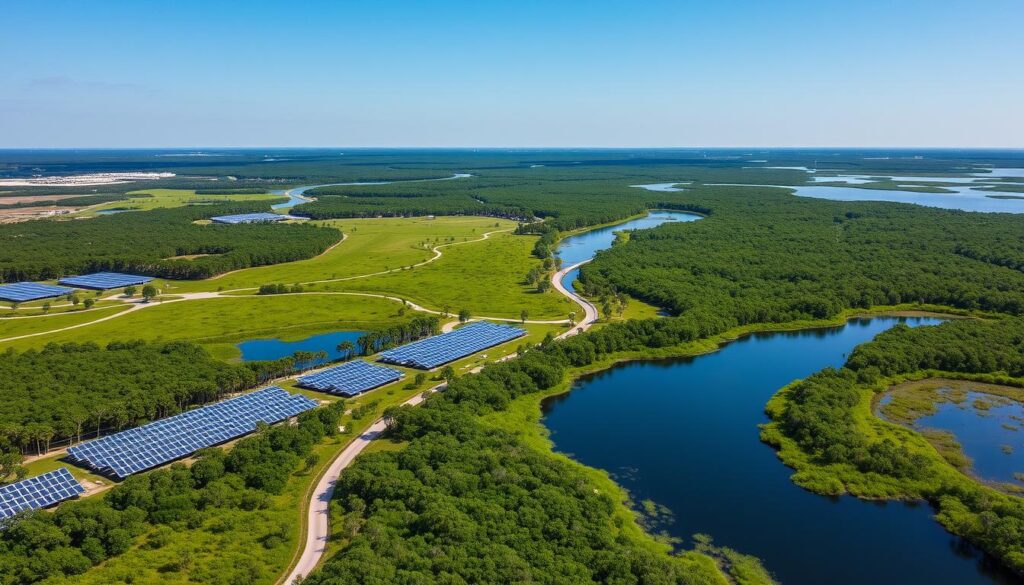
272, 349
296, 195
684, 433
575, 249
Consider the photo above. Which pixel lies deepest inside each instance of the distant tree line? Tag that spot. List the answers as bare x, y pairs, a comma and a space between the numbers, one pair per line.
767, 256
143, 242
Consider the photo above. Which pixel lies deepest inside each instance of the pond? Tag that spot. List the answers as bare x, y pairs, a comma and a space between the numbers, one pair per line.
272, 349
684, 433
992, 436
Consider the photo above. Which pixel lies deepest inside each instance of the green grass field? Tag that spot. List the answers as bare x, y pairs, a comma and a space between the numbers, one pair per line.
230, 320
169, 198
485, 277
371, 245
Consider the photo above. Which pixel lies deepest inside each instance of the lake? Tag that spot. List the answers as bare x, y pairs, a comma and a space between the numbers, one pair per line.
684, 433
272, 349
983, 432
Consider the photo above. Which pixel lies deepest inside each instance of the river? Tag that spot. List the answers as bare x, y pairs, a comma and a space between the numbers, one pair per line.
296, 195
684, 433
582, 247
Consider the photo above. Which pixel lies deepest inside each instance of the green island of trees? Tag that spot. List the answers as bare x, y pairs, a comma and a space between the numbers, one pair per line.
824, 428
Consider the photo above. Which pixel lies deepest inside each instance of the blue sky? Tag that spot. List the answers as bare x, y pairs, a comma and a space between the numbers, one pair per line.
454, 73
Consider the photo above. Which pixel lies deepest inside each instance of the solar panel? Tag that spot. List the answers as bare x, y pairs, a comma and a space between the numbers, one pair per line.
350, 379
31, 291
165, 440
38, 492
251, 218
104, 280
441, 349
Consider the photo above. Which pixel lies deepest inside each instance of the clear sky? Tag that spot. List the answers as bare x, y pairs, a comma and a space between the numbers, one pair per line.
527, 73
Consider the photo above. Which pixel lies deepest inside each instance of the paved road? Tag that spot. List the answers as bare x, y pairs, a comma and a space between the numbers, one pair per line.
318, 527
589, 310
318, 514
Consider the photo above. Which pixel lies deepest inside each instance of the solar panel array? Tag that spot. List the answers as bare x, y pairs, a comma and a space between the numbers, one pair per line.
250, 218
104, 280
351, 378
38, 492
174, 437
441, 349
31, 291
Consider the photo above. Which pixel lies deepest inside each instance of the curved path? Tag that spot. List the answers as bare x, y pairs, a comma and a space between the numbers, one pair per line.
318, 514
589, 310
137, 304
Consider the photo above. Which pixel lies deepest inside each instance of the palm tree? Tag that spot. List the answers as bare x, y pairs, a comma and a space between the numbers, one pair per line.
346, 348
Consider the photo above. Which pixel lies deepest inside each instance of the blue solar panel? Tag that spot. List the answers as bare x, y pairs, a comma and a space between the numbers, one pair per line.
38, 492
350, 379
31, 291
104, 280
175, 437
441, 349
250, 218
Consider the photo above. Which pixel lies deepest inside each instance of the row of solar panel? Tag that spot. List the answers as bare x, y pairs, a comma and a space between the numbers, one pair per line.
165, 440
38, 492
262, 217
351, 378
20, 292
448, 347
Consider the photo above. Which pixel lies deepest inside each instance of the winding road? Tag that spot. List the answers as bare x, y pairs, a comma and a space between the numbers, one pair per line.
318, 528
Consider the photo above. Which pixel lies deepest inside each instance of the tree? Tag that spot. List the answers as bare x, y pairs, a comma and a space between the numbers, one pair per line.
346, 349
448, 374
524, 315
74, 300
446, 310
89, 302
464, 315
572, 318
130, 290
46, 307
149, 292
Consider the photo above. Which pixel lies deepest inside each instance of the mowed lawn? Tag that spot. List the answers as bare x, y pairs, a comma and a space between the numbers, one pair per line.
371, 245
171, 198
487, 278
15, 326
232, 319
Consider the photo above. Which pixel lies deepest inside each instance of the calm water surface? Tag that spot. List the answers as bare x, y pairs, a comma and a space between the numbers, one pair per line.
982, 434
296, 195
576, 249
684, 433
272, 349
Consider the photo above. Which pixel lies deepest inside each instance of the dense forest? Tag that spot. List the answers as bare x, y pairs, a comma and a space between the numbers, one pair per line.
80, 534
464, 502
72, 391
764, 255
820, 415
144, 242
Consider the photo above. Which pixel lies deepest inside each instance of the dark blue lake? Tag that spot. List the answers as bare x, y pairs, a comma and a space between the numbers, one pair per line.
983, 432
684, 433
272, 349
